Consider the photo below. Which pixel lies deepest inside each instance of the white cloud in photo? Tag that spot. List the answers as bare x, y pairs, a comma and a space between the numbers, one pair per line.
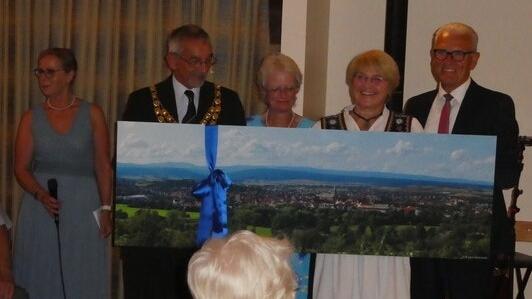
442, 156
458, 155
400, 148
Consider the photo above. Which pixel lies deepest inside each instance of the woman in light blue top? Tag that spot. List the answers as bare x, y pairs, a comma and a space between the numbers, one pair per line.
279, 80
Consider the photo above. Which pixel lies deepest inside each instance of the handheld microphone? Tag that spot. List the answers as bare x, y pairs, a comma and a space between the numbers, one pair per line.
52, 189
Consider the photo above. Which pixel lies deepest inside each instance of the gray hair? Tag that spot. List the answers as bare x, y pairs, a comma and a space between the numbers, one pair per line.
189, 31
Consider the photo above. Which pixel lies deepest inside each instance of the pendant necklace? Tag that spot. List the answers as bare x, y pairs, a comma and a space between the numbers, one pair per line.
366, 119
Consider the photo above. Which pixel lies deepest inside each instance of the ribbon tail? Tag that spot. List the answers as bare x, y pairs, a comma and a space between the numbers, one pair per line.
213, 194
220, 186
203, 192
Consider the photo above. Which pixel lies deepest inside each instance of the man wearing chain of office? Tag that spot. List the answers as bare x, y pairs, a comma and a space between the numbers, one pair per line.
184, 97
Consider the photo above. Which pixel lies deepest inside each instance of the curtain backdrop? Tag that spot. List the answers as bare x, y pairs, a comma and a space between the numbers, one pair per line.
120, 47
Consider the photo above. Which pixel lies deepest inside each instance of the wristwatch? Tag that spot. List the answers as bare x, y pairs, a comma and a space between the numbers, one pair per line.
105, 208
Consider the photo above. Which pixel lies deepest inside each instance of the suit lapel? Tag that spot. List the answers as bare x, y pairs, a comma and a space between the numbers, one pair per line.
467, 110
167, 97
205, 100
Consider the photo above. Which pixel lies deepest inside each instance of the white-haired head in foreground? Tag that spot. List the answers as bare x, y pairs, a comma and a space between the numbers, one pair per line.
242, 266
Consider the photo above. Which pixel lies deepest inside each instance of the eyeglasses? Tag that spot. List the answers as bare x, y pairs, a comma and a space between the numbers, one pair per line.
375, 80
442, 54
197, 62
280, 90
48, 73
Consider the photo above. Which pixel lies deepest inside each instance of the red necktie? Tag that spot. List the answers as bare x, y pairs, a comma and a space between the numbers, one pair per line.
443, 127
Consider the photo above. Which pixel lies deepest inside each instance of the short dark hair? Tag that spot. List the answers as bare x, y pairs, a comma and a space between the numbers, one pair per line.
65, 55
188, 31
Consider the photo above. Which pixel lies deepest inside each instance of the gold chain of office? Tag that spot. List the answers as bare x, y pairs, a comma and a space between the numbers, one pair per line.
210, 118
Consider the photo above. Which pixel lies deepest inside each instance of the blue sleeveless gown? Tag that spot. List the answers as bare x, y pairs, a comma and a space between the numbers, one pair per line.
69, 159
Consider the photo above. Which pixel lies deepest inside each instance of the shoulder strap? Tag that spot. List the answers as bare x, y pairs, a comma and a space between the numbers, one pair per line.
398, 122
333, 122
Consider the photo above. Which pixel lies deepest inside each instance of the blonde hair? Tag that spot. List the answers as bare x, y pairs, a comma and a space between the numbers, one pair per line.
243, 266
459, 29
277, 62
379, 60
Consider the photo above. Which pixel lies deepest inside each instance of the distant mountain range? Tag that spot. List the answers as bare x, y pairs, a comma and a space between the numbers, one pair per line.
287, 175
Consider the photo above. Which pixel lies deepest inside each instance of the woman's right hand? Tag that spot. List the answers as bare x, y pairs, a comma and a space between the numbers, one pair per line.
51, 204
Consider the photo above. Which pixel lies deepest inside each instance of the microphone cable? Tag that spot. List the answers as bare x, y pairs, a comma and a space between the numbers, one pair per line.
52, 189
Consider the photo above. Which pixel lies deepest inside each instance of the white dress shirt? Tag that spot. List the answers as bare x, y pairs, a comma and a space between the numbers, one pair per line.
182, 100
433, 119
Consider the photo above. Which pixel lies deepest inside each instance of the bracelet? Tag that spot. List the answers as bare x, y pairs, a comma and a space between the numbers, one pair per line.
105, 208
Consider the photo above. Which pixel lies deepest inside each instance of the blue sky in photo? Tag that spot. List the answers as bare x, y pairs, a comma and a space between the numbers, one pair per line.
445, 156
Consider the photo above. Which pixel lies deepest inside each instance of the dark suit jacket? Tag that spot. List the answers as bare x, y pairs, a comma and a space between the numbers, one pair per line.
139, 105
161, 272
482, 112
485, 112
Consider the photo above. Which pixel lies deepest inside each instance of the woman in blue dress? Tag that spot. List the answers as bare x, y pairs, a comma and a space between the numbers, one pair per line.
64, 139
278, 81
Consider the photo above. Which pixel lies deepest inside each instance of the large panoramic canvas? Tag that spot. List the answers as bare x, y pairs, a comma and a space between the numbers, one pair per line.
424, 195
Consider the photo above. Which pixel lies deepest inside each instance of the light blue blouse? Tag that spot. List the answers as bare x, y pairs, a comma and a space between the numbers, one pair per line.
257, 121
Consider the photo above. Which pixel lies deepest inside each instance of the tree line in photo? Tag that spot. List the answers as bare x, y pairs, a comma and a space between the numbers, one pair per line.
430, 233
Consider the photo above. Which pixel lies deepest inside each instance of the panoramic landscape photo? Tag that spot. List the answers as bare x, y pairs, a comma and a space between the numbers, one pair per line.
328, 191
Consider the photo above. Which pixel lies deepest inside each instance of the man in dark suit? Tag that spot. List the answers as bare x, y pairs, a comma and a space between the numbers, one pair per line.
460, 106
190, 57
184, 97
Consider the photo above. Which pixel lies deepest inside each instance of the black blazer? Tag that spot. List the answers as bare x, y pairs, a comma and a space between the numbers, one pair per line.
139, 105
485, 112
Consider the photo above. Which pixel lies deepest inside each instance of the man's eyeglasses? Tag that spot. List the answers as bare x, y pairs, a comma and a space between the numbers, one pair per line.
48, 73
197, 62
442, 54
375, 80
280, 90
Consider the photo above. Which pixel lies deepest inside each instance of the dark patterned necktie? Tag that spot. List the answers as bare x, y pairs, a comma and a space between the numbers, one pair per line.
191, 109
443, 127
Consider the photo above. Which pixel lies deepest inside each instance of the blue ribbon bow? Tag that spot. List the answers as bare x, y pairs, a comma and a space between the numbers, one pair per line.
213, 193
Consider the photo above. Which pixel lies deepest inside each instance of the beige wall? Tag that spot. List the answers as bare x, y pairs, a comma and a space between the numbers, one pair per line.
350, 30
293, 38
355, 26
504, 28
